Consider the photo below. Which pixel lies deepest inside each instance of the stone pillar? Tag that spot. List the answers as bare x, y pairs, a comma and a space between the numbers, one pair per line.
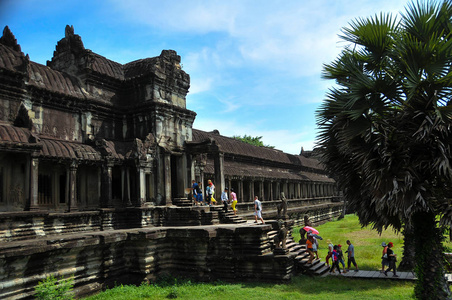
167, 180
240, 196
261, 190
73, 187
251, 191
218, 162
34, 172
141, 186
125, 185
270, 190
182, 176
107, 170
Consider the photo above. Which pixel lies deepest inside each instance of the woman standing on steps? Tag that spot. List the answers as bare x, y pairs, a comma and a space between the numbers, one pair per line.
234, 201
309, 243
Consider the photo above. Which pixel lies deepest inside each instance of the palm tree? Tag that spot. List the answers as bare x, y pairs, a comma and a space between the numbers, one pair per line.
385, 129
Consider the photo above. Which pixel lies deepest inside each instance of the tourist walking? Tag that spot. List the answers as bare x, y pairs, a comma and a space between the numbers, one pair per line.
194, 187
258, 210
392, 260
309, 242
234, 201
340, 257
315, 246
335, 260
208, 195
351, 256
330, 251
384, 257
225, 200
212, 192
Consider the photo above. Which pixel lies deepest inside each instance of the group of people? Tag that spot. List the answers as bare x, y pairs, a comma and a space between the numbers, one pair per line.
197, 193
336, 255
210, 193
389, 258
210, 200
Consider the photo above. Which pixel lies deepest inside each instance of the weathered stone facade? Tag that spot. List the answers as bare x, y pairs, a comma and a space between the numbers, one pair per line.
95, 156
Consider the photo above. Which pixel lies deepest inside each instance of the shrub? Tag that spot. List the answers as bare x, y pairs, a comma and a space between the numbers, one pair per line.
51, 288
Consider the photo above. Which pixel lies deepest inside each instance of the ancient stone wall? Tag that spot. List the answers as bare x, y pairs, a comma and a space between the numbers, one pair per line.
101, 259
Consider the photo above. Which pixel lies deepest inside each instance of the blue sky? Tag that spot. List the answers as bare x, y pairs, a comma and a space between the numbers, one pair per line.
255, 66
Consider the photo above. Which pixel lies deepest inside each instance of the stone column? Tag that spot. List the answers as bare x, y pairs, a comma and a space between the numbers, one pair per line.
218, 162
34, 172
261, 190
252, 191
141, 186
167, 180
240, 195
270, 190
183, 180
107, 170
73, 186
125, 185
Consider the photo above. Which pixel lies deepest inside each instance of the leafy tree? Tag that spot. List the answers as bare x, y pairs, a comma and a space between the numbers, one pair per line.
385, 129
256, 141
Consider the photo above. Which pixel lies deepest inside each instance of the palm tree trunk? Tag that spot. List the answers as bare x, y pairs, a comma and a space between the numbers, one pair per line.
408, 260
429, 255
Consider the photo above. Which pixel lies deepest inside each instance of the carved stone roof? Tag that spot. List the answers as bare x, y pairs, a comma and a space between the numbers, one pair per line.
104, 66
46, 78
68, 150
239, 169
17, 138
10, 59
236, 147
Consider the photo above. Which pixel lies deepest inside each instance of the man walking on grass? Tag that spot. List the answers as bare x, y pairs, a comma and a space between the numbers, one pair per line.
351, 256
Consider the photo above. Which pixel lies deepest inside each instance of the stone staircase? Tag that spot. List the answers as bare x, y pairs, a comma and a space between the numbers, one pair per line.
227, 218
182, 202
316, 268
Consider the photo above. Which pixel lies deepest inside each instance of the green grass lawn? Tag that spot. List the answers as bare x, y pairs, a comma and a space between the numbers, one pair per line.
368, 256
301, 287
367, 242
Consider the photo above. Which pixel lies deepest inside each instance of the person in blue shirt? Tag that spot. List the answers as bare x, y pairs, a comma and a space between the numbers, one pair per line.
225, 200
351, 256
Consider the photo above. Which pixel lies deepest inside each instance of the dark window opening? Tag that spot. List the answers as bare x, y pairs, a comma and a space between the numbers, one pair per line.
44, 189
116, 186
62, 188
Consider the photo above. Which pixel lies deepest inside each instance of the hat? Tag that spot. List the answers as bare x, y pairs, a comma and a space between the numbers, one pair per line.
391, 244
339, 245
383, 244
226, 189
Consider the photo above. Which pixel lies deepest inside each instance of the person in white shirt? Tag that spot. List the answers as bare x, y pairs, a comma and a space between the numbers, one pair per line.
258, 210
225, 200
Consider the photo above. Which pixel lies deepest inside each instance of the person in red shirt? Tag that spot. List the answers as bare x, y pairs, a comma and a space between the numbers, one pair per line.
310, 249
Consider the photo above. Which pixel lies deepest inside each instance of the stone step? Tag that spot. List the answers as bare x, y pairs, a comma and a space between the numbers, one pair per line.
319, 265
324, 269
301, 256
304, 262
239, 221
297, 248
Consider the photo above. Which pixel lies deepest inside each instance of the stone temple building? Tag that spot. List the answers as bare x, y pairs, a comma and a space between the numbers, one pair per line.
96, 164
85, 132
